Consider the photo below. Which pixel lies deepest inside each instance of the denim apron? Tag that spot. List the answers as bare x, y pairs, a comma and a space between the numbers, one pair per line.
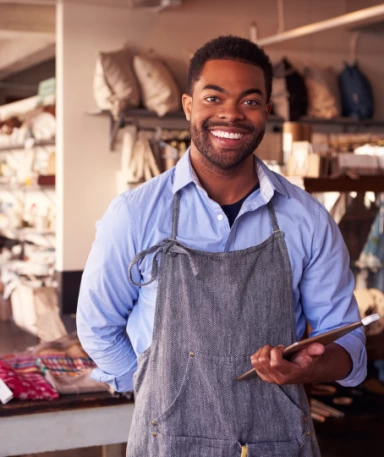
213, 311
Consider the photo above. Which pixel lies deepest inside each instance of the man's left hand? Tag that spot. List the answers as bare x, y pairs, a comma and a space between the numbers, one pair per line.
272, 367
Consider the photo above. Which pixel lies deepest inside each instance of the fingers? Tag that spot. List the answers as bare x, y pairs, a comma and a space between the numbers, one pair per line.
269, 363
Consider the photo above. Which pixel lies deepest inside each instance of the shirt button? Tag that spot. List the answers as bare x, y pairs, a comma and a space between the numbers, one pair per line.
154, 434
154, 423
220, 217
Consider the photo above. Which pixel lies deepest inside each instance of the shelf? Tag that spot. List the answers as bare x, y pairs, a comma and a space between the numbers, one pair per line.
338, 121
144, 119
34, 188
345, 184
36, 144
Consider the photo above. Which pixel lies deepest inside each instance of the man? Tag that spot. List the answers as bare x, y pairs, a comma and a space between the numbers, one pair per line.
212, 268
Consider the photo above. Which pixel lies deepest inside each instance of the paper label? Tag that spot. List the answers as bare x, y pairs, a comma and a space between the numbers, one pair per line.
5, 393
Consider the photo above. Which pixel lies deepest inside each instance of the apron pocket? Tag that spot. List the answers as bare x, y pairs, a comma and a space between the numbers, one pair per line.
274, 449
179, 394
142, 365
180, 446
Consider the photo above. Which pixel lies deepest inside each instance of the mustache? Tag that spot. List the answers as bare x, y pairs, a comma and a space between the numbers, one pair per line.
239, 125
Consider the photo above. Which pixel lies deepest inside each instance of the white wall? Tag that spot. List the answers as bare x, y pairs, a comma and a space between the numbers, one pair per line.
86, 168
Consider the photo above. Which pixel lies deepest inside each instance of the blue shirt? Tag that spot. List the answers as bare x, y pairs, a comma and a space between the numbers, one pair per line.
115, 319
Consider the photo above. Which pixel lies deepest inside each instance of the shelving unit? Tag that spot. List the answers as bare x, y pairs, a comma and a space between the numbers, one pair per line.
144, 119
20, 147
345, 184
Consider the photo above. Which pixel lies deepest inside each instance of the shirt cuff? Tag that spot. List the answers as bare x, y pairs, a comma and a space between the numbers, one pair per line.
122, 383
356, 349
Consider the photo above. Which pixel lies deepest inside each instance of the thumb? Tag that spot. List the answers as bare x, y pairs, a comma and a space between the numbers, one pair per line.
315, 350
309, 354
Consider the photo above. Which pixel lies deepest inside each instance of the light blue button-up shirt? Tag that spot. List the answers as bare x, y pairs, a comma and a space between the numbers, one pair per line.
115, 319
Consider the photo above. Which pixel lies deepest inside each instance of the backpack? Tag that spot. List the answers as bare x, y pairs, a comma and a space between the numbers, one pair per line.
356, 93
289, 92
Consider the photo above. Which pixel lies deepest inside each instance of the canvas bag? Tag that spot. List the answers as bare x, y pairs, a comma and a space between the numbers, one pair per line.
289, 93
323, 92
36, 310
356, 93
115, 86
158, 87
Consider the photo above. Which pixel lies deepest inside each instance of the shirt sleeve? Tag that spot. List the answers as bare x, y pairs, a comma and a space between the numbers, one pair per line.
327, 296
107, 297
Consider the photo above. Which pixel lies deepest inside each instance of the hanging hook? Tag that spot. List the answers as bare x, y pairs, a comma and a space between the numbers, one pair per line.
280, 16
353, 46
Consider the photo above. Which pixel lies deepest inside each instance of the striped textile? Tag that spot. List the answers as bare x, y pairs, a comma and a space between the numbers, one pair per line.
61, 365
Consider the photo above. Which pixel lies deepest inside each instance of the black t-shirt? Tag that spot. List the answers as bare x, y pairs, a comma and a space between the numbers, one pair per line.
233, 210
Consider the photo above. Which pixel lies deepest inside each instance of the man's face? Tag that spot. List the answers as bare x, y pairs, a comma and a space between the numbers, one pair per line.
228, 111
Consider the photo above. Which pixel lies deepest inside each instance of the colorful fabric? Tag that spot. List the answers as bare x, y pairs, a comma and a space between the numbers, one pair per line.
68, 366
27, 386
22, 362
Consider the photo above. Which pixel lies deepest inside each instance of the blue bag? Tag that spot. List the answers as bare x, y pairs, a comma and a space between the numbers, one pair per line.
356, 93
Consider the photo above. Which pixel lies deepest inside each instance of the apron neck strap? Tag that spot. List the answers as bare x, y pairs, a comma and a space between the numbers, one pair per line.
273, 217
175, 215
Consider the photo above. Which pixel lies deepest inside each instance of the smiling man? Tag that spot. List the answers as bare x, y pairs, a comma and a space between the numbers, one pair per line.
212, 268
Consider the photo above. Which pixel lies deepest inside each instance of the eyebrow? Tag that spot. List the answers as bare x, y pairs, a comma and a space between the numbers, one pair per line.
223, 91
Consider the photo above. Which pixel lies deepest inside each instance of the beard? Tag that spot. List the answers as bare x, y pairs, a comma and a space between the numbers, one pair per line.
224, 159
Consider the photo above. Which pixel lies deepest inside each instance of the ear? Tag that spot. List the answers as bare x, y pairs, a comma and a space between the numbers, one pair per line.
268, 109
187, 106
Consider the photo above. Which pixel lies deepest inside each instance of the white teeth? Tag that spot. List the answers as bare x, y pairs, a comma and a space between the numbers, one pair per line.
231, 136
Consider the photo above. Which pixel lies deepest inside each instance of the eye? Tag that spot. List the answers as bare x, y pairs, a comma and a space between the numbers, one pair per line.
252, 102
212, 99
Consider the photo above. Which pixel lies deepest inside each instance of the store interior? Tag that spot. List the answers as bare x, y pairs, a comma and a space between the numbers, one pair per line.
90, 107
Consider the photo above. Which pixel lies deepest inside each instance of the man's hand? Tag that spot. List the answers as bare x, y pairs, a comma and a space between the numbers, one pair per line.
315, 363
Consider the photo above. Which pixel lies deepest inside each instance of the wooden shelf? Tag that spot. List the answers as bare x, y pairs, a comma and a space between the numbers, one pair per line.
144, 119
19, 147
345, 184
34, 188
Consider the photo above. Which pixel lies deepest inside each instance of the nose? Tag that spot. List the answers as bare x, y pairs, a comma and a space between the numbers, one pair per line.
231, 112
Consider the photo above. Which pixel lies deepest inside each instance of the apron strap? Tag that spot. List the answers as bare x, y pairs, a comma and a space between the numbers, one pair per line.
168, 245
175, 215
139, 257
273, 217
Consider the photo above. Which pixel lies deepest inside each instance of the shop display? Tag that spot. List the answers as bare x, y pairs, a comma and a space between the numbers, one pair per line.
57, 367
26, 386
356, 93
115, 85
147, 153
289, 93
28, 219
158, 87
35, 309
323, 92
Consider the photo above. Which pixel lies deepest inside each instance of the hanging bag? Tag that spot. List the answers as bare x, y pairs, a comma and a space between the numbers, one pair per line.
356, 93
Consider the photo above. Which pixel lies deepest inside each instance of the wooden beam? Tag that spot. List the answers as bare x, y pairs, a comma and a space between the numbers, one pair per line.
20, 54
31, 19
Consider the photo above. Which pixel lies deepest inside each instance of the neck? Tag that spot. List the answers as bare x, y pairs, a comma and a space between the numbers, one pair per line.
224, 186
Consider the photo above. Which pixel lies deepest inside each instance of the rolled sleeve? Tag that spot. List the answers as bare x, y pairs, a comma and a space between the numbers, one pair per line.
327, 296
122, 383
354, 344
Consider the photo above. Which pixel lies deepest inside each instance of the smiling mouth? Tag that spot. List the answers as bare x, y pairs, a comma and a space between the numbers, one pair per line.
227, 135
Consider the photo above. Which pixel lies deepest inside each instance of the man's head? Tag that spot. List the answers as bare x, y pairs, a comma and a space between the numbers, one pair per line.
229, 89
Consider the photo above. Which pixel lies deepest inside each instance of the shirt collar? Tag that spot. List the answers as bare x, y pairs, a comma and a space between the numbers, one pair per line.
269, 182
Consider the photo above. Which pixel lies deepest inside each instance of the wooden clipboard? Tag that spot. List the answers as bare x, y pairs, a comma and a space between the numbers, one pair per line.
324, 338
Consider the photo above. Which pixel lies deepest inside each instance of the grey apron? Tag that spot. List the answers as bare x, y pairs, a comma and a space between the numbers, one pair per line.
213, 311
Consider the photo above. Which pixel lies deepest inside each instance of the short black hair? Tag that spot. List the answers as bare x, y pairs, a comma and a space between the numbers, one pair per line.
230, 48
